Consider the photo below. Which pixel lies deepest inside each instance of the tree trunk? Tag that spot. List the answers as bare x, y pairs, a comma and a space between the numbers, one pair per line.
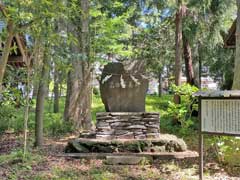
178, 53
236, 80
26, 113
42, 93
56, 91
6, 52
79, 93
160, 84
37, 57
187, 54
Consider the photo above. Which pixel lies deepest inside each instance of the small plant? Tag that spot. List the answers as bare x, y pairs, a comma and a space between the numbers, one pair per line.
183, 112
55, 124
228, 150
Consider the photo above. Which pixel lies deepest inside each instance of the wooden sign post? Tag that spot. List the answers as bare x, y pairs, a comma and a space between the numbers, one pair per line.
219, 114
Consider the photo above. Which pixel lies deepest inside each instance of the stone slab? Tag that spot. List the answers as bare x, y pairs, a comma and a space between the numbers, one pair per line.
126, 160
154, 155
83, 145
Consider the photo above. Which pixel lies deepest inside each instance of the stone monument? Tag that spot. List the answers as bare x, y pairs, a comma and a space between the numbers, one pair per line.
123, 87
123, 90
125, 127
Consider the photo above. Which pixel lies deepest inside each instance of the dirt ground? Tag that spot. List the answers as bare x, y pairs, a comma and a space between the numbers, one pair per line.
46, 163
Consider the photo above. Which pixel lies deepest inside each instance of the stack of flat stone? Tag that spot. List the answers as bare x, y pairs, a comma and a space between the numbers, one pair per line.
127, 125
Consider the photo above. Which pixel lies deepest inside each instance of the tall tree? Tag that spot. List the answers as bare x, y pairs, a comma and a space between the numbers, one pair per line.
236, 80
178, 43
78, 100
41, 95
187, 54
56, 90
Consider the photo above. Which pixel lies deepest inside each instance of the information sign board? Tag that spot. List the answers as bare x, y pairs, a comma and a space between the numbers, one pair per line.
220, 116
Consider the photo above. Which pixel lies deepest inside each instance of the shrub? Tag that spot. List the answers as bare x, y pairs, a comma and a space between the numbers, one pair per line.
55, 125
183, 112
228, 150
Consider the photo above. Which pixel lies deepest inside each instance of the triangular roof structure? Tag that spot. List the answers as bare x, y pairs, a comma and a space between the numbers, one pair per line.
19, 57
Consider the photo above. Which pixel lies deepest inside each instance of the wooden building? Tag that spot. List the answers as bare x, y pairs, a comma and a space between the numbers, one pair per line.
18, 57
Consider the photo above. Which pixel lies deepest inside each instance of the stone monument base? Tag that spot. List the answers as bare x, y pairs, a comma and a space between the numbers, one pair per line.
127, 125
165, 143
135, 134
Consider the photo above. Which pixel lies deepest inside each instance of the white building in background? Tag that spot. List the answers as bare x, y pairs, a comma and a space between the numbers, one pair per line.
209, 83
206, 82
153, 86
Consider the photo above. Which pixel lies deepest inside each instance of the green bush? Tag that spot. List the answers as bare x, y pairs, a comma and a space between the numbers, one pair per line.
228, 150
11, 119
183, 112
55, 125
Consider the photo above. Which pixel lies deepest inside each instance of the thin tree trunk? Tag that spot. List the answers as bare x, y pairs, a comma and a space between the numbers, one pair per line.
37, 65
160, 84
42, 93
187, 54
236, 79
56, 91
200, 66
178, 53
79, 93
68, 96
6, 52
26, 115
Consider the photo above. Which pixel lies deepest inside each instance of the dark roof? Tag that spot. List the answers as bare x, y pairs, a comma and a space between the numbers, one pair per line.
230, 39
232, 93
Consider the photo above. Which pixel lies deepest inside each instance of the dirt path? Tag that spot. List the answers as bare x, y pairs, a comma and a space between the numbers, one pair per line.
46, 164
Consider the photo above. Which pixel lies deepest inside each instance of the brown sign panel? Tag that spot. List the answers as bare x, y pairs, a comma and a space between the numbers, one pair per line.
220, 116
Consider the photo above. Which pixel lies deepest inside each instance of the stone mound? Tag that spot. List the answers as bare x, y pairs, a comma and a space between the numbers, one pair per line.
165, 143
127, 125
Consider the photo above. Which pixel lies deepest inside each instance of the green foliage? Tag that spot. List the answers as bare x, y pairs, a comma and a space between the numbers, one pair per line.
111, 33
183, 112
97, 106
184, 90
10, 118
11, 100
20, 163
54, 124
228, 150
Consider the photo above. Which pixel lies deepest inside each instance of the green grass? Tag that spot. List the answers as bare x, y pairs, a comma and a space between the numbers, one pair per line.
13, 118
97, 106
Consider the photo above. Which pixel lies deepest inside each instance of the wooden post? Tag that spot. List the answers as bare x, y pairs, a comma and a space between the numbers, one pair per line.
200, 156
200, 141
